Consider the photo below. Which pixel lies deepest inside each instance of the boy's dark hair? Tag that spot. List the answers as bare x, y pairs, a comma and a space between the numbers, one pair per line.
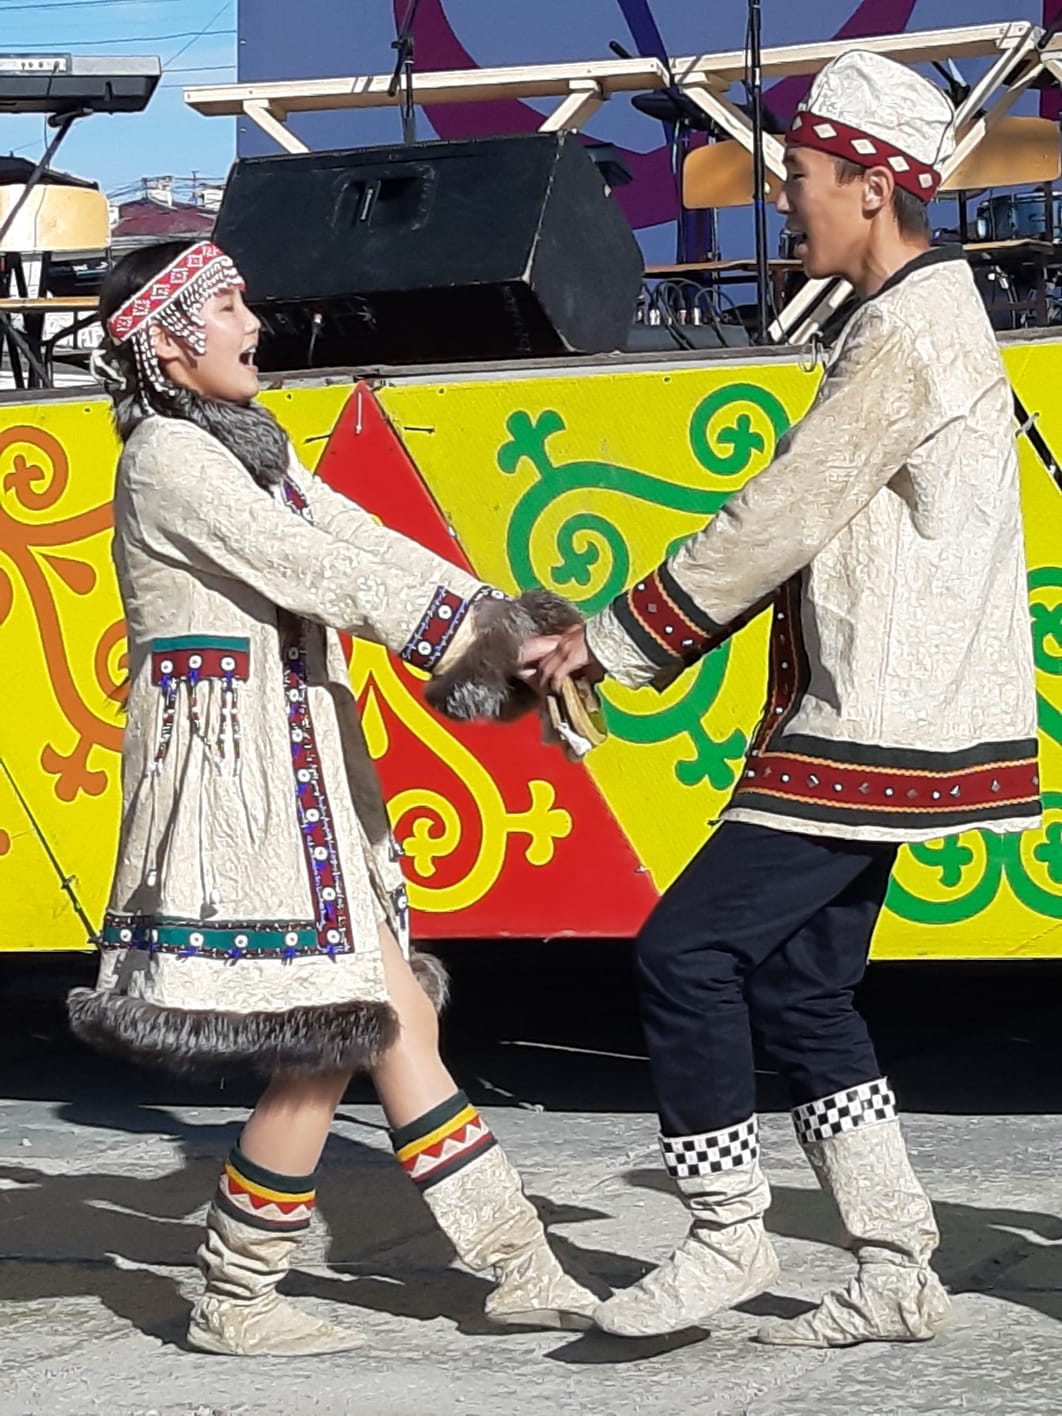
911, 213
248, 431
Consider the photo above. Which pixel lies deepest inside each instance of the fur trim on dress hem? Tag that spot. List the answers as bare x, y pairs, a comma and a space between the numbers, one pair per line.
332, 1037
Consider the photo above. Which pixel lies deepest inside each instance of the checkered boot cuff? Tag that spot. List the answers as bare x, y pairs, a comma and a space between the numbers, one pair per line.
689, 1156
844, 1111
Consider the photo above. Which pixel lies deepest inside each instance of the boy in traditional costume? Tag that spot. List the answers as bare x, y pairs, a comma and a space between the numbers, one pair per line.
258, 914
887, 536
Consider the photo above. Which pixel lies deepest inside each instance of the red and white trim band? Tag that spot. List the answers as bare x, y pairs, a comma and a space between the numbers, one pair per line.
892, 790
855, 145
201, 260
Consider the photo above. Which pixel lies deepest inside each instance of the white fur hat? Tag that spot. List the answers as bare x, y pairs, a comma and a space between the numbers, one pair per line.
878, 113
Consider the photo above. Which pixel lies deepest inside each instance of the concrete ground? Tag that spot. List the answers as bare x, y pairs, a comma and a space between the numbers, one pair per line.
104, 1173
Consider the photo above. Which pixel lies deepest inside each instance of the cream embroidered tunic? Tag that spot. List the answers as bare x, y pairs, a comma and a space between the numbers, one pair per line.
887, 534
255, 860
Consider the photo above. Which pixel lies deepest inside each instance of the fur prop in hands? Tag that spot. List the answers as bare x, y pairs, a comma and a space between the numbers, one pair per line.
484, 682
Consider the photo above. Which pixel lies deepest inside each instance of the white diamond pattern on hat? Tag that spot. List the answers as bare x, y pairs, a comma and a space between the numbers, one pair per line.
899, 164
868, 97
195, 275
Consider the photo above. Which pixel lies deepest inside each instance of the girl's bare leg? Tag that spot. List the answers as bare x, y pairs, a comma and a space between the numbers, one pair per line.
289, 1126
411, 1078
259, 1216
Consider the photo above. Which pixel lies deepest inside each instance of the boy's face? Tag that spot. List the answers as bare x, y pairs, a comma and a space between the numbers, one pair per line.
226, 372
830, 216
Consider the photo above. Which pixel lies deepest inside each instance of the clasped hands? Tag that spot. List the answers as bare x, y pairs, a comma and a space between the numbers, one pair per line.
547, 660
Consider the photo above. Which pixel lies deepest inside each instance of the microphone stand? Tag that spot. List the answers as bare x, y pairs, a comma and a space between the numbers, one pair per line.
403, 74
754, 84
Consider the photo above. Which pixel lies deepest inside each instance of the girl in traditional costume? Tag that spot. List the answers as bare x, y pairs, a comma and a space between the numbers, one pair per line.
258, 913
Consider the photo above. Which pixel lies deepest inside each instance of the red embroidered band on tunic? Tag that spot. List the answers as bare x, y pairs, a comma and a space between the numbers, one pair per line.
854, 145
663, 619
792, 777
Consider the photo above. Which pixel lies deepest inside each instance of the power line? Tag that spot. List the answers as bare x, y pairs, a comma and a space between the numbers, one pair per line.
196, 37
196, 68
46, 45
80, 5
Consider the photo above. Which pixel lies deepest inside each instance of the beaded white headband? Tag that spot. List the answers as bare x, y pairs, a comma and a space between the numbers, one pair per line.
174, 299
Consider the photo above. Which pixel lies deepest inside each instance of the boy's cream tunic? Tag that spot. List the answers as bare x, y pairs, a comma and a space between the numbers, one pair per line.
887, 533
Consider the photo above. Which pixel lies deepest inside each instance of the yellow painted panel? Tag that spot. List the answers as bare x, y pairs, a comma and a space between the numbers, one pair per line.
63, 642
581, 483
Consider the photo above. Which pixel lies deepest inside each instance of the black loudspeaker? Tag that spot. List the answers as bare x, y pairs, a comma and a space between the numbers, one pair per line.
498, 248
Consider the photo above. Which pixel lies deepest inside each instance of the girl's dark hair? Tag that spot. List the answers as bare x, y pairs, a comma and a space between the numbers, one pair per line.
247, 430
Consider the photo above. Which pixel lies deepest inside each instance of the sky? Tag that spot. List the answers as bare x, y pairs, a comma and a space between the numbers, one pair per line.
196, 41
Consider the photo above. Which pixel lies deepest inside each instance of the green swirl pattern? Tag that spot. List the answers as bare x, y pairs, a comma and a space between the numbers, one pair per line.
725, 442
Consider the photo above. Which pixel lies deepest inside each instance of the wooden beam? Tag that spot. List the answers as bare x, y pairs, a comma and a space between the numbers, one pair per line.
272, 126
578, 108
733, 121
444, 86
912, 47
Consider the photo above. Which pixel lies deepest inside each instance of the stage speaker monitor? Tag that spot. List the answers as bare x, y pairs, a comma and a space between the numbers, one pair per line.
440, 252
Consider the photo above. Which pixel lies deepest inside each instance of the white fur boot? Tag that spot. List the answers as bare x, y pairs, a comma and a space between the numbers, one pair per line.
725, 1259
478, 1201
854, 1143
254, 1226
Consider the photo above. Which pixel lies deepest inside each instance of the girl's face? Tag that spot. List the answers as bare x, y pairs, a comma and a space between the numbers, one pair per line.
226, 372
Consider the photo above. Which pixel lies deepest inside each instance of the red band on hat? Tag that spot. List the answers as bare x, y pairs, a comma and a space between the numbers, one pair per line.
839, 140
167, 285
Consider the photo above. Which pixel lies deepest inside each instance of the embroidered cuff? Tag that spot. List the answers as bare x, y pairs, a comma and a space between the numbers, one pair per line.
664, 621
439, 625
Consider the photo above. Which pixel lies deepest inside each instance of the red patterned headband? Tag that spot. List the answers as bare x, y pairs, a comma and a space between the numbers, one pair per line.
840, 140
203, 269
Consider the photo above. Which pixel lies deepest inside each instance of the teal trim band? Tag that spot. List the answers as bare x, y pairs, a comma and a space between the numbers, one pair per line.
199, 641
257, 939
251, 941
